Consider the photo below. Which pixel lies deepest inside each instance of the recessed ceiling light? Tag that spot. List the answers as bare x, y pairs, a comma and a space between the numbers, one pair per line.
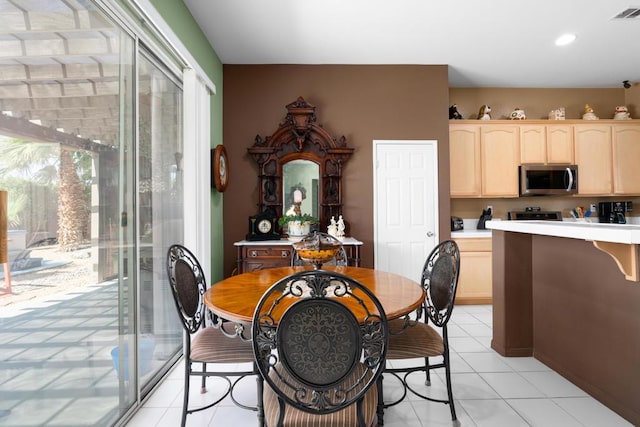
565, 39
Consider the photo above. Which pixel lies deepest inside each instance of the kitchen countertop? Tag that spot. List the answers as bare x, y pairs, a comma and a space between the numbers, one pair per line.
473, 233
615, 233
470, 230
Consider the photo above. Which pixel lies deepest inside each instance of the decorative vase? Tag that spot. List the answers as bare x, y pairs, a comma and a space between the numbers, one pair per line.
297, 230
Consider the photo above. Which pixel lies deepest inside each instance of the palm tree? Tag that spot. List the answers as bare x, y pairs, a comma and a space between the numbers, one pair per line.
72, 208
16, 206
35, 161
51, 163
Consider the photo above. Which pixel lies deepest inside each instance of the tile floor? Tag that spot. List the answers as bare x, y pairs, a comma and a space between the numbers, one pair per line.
55, 359
489, 390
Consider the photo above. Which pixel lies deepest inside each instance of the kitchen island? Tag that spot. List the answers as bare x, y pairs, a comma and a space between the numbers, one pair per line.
568, 293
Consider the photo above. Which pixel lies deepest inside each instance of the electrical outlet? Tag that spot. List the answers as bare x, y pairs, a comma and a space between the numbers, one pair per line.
490, 207
593, 208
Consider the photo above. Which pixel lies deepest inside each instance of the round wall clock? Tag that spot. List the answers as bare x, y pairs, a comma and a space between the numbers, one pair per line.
220, 169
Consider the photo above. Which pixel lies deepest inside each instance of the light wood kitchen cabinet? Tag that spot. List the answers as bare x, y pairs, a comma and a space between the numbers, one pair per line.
475, 277
594, 157
560, 144
626, 157
499, 158
542, 144
483, 160
484, 157
464, 161
533, 144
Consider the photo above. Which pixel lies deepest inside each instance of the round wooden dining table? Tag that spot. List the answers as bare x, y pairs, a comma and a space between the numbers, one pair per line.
236, 297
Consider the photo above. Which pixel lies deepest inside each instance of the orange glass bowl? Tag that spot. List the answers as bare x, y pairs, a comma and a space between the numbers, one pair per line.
316, 250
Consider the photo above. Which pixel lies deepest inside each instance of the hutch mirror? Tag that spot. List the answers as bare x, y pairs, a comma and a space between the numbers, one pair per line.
300, 180
300, 166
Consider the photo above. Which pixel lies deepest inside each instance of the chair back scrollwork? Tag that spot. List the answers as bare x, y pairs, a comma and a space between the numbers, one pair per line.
188, 286
320, 340
440, 281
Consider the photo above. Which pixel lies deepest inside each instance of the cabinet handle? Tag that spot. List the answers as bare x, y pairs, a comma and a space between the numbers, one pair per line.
429, 233
253, 254
284, 254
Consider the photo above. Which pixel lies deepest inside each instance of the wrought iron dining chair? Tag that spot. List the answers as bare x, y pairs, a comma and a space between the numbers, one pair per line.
204, 345
320, 340
417, 339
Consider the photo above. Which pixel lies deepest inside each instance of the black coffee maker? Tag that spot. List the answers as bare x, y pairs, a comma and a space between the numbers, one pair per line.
614, 212
486, 216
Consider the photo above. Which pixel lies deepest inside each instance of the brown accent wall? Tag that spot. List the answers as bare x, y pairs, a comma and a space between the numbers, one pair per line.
362, 103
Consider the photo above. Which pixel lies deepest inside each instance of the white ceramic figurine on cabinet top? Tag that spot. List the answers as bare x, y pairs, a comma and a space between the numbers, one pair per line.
518, 114
557, 114
621, 113
340, 225
588, 113
483, 114
332, 229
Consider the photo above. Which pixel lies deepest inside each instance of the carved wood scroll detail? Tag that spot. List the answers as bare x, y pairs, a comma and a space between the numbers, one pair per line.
299, 137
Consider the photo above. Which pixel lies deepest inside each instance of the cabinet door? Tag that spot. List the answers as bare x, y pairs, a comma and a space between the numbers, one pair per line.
464, 160
533, 144
559, 144
500, 155
475, 279
626, 155
593, 155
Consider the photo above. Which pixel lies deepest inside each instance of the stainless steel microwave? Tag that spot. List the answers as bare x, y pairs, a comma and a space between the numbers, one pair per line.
548, 180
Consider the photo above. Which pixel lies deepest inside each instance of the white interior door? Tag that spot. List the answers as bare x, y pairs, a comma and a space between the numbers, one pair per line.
405, 198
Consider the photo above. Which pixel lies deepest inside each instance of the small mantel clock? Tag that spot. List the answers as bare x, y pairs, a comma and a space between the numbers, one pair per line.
262, 227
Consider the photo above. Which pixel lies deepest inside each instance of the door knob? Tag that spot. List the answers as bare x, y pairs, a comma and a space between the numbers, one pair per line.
429, 233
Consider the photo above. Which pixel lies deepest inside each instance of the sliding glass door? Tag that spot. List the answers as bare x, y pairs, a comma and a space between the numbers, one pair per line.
91, 158
160, 209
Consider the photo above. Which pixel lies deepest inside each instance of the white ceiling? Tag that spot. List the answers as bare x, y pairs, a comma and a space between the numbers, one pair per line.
495, 43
